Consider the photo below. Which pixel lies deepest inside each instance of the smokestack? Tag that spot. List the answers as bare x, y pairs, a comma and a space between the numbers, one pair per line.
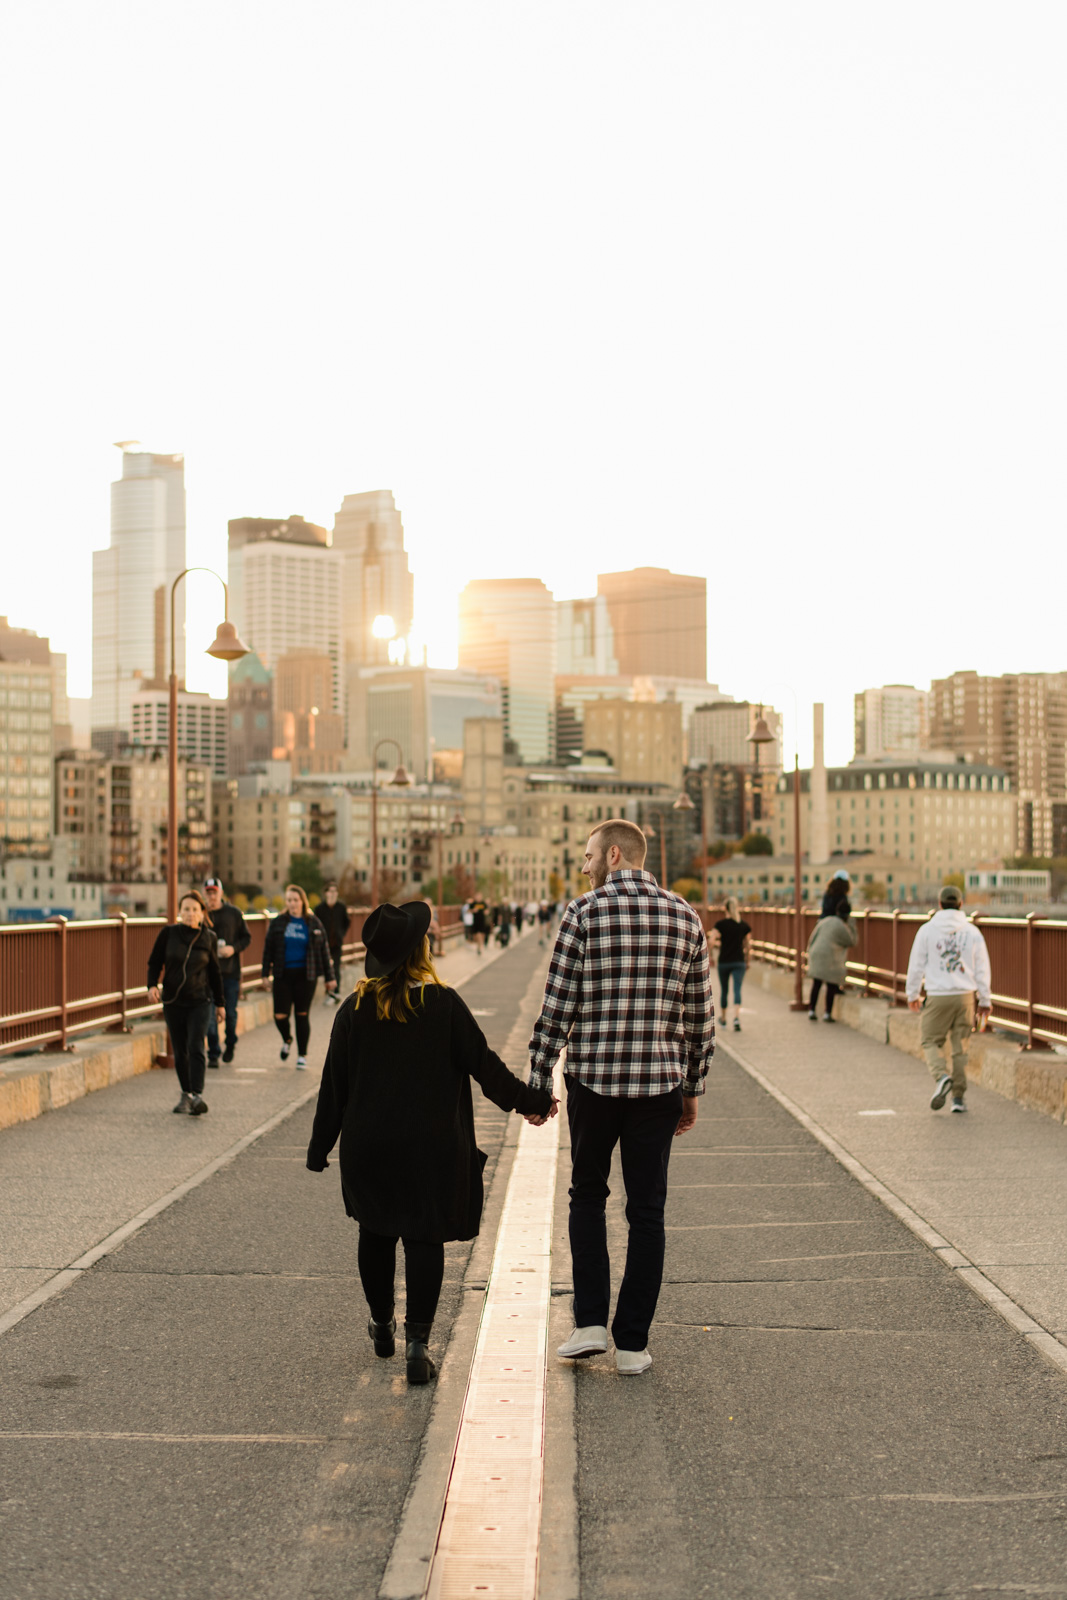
819, 838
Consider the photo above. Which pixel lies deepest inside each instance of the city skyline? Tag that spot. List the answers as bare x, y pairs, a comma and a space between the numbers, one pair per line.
822, 370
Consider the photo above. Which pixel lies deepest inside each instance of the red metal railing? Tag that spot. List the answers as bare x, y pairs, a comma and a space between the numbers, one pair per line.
1028, 956
59, 978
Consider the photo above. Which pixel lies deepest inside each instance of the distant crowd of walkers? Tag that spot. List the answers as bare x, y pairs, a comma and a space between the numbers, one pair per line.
628, 998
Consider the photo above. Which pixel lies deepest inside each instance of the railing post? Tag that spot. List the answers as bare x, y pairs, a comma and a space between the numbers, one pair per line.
866, 914
125, 947
1031, 1042
61, 923
896, 937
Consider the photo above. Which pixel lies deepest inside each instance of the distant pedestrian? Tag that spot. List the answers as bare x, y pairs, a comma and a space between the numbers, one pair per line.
437, 943
827, 961
186, 954
396, 1088
466, 916
836, 895
333, 914
949, 959
516, 917
731, 948
232, 933
544, 919
479, 923
295, 950
629, 996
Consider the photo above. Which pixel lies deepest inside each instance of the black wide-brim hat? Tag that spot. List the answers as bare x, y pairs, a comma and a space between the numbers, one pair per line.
391, 933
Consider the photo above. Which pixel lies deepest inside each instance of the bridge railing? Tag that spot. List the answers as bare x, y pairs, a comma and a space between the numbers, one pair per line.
1028, 956
59, 979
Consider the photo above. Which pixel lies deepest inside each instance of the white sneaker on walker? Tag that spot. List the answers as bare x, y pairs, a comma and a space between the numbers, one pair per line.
631, 1362
584, 1342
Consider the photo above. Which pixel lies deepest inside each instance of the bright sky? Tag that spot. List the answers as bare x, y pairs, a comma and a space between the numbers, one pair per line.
770, 292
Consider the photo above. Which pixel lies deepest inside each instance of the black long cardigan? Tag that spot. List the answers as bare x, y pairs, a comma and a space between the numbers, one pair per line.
399, 1095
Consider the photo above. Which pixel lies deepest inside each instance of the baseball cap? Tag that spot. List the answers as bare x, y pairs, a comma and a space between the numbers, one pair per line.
950, 895
841, 873
212, 883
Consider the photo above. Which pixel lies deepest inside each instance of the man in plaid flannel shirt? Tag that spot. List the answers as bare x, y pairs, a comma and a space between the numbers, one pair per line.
629, 997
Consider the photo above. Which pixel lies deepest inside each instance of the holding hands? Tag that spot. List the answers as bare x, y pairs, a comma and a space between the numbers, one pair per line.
539, 1122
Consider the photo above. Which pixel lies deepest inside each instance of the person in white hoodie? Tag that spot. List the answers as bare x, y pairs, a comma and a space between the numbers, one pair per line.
950, 960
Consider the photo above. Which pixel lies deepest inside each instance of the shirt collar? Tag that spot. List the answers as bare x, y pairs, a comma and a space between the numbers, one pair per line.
630, 872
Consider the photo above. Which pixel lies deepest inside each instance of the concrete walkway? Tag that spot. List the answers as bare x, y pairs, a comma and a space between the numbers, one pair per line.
993, 1182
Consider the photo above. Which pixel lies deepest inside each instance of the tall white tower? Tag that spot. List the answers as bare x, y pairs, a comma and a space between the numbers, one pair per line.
147, 550
369, 534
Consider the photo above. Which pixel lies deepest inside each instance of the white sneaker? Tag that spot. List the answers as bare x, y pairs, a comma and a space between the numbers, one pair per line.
584, 1342
301, 1063
631, 1362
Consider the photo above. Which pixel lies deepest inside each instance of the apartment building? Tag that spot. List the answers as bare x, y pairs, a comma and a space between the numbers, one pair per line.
203, 726
641, 738
1018, 722
113, 813
937, 817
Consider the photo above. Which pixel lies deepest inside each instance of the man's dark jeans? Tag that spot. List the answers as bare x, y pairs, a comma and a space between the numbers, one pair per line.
231, 993
187, 1026
643, 1130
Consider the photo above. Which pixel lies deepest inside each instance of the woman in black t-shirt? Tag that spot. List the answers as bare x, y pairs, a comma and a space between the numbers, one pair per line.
731, 941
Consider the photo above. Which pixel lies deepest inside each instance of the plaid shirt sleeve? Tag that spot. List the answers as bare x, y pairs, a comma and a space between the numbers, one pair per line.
562, 993
699, 1013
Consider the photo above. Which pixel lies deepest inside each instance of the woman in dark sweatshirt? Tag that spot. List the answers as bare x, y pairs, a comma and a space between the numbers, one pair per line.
186, 953
396, 1087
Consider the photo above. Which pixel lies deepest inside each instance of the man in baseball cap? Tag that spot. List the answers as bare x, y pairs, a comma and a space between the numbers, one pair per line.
233, 937
949, 959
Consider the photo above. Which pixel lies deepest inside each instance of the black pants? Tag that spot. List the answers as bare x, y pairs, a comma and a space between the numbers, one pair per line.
231, 993
832, 992
335, 957
643, 1130
424, 1270
293, 991
187, 1026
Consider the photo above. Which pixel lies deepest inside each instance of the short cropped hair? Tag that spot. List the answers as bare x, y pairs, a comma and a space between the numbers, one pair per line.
627, 836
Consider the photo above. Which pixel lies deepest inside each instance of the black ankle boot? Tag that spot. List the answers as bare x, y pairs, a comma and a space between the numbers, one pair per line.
384, 1336
420, 1368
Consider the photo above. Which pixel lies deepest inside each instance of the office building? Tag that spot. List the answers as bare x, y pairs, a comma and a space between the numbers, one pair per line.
658, 621
146, 554
507, 630
288, 587
26, 774
250, 705
585, 641
307, 732
1019, 722
368, 535
23, 645
937, 817
891, 723
203, 727
243, 531
720, 734
641, 738
33, 888
422, 708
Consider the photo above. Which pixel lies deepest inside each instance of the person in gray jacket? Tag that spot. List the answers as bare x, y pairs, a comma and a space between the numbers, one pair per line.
950, 961
827, 960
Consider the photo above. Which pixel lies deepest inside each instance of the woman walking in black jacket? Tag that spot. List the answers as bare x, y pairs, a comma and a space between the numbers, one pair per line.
186, 953
396, 1087
296, 950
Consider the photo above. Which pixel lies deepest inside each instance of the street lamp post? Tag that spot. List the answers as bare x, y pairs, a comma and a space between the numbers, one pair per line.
400, 779
797, 1002
226, 646
683, 803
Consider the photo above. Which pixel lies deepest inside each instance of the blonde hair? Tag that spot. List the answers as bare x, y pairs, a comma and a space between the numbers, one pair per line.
732, 909
391, 992
294, 888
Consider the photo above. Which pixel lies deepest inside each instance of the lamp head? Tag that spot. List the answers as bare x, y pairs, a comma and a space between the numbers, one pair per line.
761, 734
401, 777
226, 645
683, 803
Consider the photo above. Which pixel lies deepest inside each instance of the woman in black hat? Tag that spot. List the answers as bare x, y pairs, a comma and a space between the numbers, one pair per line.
396, 1087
